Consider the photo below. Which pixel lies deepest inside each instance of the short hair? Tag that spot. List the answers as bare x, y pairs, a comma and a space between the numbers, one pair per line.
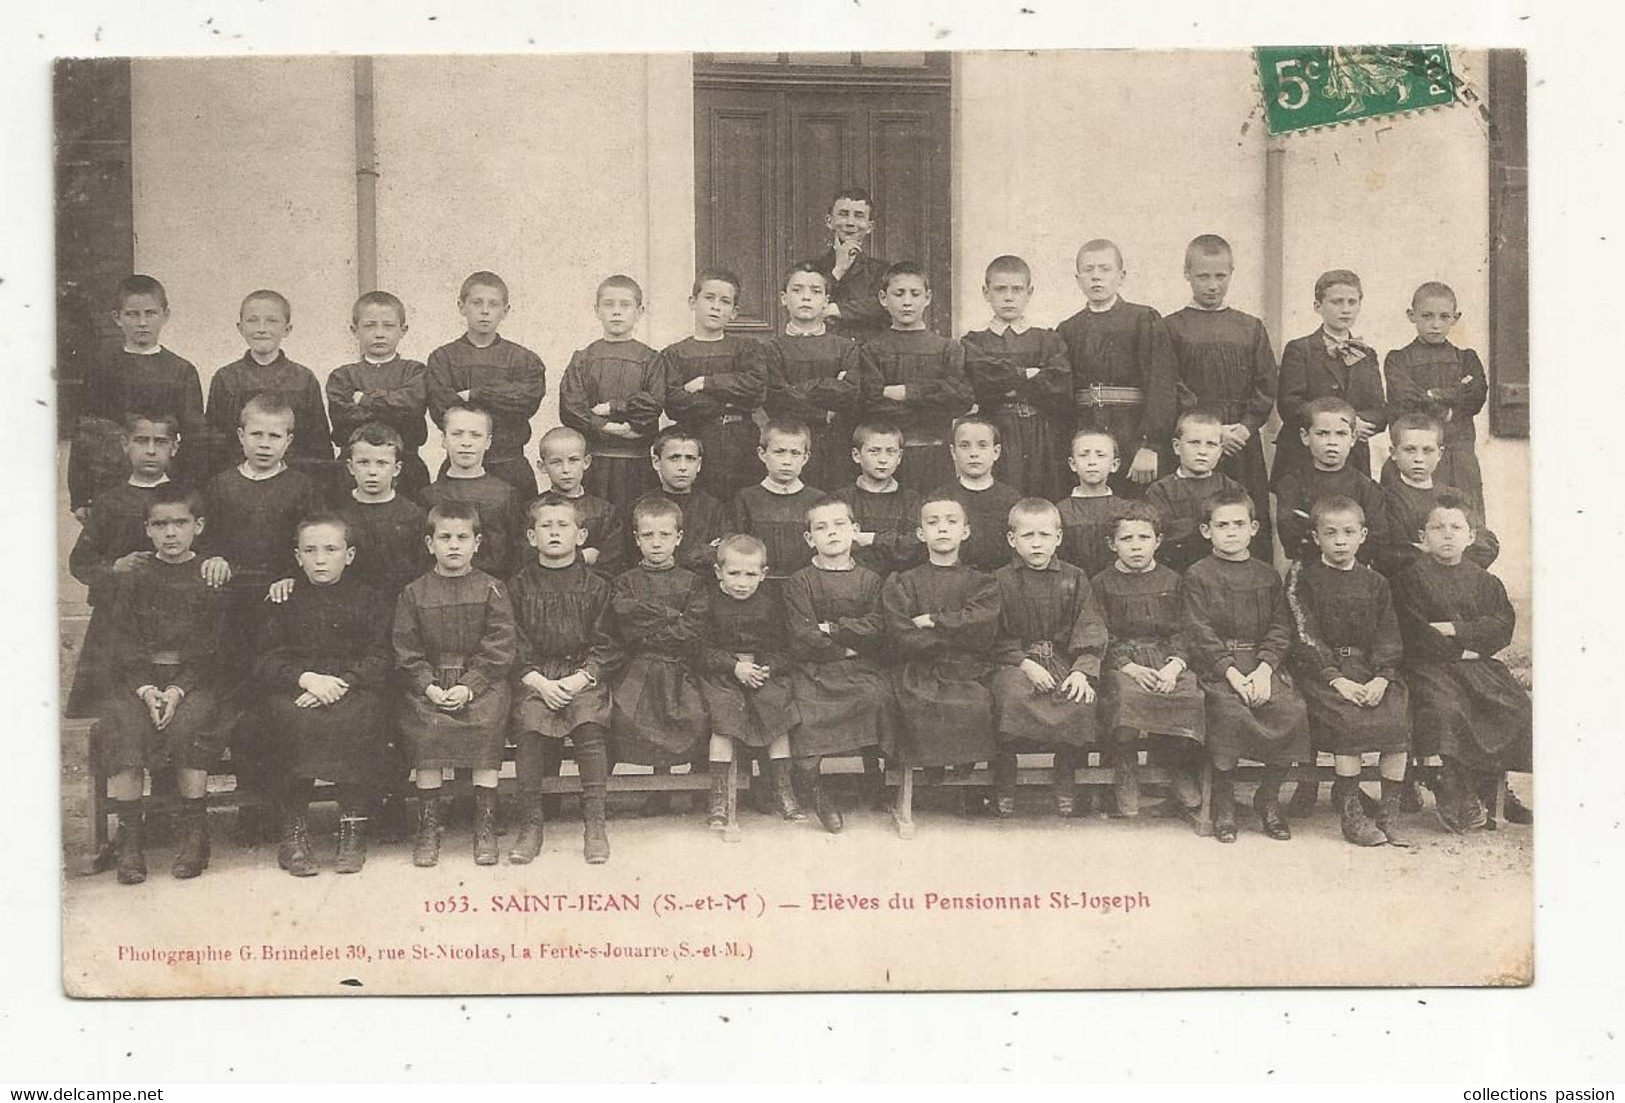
786, 427
266, 405
266, 295
937, 499
323, 517
561, 433
828, 501
720, 275
453, 510
377, 434
175, 494
1221, 498
483, 278
1197, 415
1090, 431
974, 419
618, 282
1329, 404
655, 507
673, 433
1452, 500
1138, 510
809, 267
470, 408
1010, 265
876, 428
1100, 245
1032, 507
1415, 423
378, 298
741, 543
171, 421
856, 195
1433, 289
1331, 279
550, 501
1333, 503
1208, 245
905, 268
137, 284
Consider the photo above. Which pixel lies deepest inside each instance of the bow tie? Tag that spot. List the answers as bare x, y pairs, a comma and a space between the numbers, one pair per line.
1351, 349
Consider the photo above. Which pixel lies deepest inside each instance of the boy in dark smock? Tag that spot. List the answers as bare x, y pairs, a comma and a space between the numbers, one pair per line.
775, 509
1408, 498
987, 501
465, 478
886, 513
382, 386
1089, 514
1181, 497
566, 462
812, 377
1329, 435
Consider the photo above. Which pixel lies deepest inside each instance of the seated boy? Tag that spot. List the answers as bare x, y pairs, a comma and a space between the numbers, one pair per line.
1465, 705
566, 462
465, 478
382, 386
1418, 447
323, 671
942, 617
1198, 446
483, 368
986, 500
677, 457
561, 691
161, 708
914, 378
1328, 436
775, 509
1023, 383
1329, 363
714, 381
1089, 514
455, 644
611, 392
812, 376
1240, 629
1345, 659
1147, 686
838, 642
885, 513
1051, 638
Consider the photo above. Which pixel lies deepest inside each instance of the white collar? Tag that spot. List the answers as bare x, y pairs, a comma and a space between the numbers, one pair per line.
1001, 327
153, 351
891, 487
380, 502
817, 329
1209, 309
773, 488
254, 477
1093, 309
162, 479
1077, 492
392, 357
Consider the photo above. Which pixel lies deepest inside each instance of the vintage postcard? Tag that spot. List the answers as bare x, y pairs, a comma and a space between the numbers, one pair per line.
563, 523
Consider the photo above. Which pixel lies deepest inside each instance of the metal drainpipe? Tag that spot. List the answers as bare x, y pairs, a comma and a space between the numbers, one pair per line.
1275, 239
366, 180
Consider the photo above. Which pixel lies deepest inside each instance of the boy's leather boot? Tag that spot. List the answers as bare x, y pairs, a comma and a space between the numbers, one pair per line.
485, 826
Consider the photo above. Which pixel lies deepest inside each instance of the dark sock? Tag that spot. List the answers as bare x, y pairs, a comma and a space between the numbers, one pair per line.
530, 763
1269, 786
592, 758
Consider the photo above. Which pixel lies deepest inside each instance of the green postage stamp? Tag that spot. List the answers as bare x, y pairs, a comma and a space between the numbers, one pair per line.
1309, 86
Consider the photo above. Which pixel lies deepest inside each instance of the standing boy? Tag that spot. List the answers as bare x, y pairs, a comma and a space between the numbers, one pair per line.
382, 386
467, 431
1198, 446
986, 500
812, 376
855, 277
1330, 363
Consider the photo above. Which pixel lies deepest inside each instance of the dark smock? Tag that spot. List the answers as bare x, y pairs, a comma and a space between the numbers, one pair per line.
1050, 617
507, 379
1144, 626
502, 517
1182, 504
659, 717
894, 518
396, 393
1034, 415
1125, 346
1448, 383
754, 627
626, 375
987, 511
720, 413
562, 616
931, 369
845, 701
813, 378
1087, 524
119, 383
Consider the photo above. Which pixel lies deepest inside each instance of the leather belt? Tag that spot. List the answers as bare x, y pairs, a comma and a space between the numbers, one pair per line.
1020, 409
165, 658
1102, 394
730, 419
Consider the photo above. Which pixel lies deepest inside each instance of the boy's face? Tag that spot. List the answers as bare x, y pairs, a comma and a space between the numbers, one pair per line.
265, 439
172, 528
1093, 460
1199, 446
618, 311
784, 455
657, 539
264, 325
483, 309
805, 296
1209, 277
1099, 275
149, 446
374, 467
1008, 293
740, 575
564, 462
1339, 536
1339, 307
378, 330
974, 451
829, 531
1417, 453
879, 455
1433, 316
1035, 537
943, 526
468, 438
905, 298
554, 532
1135, 543
678, 465
140, 319
850, 219
715, 304
453, 544
1328, 438
1230, 529
1446, 535
323, 553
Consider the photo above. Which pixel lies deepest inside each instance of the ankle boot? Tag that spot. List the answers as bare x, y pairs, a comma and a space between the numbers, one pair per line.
823, 802
874, 782
1004, 784
1267, 803
485, 826
352, 849
784, 793
1388, 813
1357, 826
1065, 783
594, 836
294, 854
1458, 806
1126, 782
426, 845
192, 853
531, 825
1224, 806
716, 808
130, 859
1517, 811
1187, 771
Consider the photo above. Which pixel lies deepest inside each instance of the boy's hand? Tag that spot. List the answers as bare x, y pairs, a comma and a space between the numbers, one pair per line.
324, 687
850, 654
1146, 678
355, 399
1032, 373
436, 696
1042, 680
1443, 627
845, 253
153, 698
216, 572
1235, 438
124, 564
863, 539
575, 683
749, 674
1470, 654
894, 393
82, 514
1263, 684
306, 701
825, 627
464, 395
1363, 429
171, 701
602, 409
620, 429
554, 695
1241, 684
924, 621
1350, 690
1144, 468
695, 385
1375, 690
281, 590
456, 697
1168, 676
1077, 689
589, 556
